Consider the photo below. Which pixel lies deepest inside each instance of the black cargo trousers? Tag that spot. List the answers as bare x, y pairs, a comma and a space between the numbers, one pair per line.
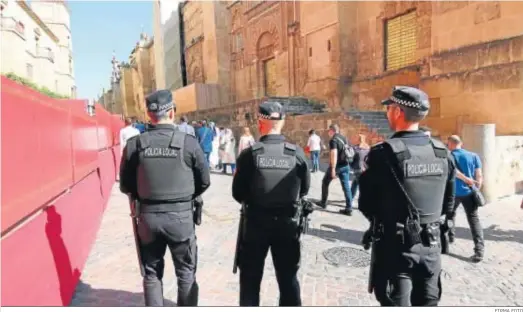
157, 231
410, 277
471, 211
281, 236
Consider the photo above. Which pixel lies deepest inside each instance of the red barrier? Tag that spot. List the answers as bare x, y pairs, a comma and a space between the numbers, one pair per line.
57, 243
84, 139
58, 147
116, 125
36, 150
54, 148
107, 170
117, 154
105, 132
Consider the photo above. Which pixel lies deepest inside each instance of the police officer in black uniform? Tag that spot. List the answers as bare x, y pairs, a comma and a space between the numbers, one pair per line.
408, 186
165, 170
271, 178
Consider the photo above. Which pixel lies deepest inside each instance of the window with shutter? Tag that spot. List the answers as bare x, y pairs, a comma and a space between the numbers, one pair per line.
400, 41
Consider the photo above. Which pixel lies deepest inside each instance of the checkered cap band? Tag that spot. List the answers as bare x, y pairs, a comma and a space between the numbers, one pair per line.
415, 105
262, 116
269, 117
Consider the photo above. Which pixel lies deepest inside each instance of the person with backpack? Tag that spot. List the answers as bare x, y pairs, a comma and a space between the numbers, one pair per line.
341, 156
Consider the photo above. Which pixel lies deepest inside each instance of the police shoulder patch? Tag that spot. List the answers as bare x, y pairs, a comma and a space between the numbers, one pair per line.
273, 162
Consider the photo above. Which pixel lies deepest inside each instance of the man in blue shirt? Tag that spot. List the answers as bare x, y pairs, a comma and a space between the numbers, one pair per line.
468, 175
205, 137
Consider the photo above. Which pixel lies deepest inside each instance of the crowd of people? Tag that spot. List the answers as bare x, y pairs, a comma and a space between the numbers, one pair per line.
410, 188
218, 143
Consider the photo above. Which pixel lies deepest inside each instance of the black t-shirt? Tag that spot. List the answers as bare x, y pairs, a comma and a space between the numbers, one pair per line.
335, 143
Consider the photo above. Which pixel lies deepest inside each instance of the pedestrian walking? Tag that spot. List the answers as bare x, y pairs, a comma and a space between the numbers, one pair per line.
314, 146
341, 155
469, 179
228, 150
358, 164
246, 140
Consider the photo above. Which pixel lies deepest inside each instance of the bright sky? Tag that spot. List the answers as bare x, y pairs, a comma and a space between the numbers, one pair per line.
98, 28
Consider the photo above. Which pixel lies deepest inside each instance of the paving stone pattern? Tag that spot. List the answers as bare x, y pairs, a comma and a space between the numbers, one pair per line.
111, 276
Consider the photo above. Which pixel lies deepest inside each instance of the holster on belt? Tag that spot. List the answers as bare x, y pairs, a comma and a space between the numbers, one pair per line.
412, 233
198, 208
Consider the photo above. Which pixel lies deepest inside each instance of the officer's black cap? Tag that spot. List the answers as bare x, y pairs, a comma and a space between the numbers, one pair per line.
271, 110
409, 97
160, 102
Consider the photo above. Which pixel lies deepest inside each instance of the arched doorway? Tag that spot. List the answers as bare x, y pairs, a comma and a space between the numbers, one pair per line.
265, 53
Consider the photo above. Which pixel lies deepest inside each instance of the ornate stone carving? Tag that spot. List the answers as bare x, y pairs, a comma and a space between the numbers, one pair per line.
197, 74
265, 46
195, 63
265, 33
256, 8
236, 19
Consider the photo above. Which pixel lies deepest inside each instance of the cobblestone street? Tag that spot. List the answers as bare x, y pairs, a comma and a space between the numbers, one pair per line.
111, 276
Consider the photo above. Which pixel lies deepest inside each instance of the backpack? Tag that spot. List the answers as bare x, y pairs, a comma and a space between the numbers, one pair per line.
348, 151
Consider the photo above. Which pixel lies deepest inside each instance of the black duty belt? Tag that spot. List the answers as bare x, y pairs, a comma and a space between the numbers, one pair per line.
152, 202
165, 206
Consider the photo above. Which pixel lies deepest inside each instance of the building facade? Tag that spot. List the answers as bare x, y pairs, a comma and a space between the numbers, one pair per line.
158, 38
281, 48
467, 56
167, 31
132, 81
206, 45
142, 65
37, 43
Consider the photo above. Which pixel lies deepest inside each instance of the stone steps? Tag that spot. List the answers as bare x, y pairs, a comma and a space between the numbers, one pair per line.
374, 120
301, 105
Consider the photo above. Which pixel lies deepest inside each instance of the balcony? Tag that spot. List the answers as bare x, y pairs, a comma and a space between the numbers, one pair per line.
12, 25
45, 53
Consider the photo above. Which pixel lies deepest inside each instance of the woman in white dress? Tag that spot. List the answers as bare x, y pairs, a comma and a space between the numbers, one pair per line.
228, 150
214, 158
246, 140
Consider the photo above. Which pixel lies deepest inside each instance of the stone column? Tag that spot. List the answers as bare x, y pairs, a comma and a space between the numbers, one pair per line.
481, 139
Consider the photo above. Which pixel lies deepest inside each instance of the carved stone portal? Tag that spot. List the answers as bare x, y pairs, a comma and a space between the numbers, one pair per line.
265, 31
265, 46
195, 63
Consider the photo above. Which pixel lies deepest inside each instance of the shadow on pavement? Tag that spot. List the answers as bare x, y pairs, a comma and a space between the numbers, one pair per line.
459, 257
86, 296
337, 233
493, 233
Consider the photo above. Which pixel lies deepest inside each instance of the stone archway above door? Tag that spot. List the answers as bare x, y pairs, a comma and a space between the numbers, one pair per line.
265, 46
264, 39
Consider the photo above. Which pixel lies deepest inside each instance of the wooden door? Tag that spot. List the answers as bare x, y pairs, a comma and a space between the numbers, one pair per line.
269, 77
